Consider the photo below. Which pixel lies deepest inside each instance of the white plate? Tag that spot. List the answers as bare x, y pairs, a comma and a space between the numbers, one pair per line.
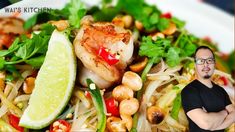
201, 19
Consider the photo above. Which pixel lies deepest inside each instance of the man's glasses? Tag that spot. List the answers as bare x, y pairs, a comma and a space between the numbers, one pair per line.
200, 61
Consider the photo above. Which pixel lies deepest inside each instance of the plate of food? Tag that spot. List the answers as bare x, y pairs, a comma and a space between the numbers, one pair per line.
106, 65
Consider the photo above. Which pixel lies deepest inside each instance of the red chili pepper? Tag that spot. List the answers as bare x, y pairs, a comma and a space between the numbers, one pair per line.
14, 121
166, 15
60, 125
225, 80
208, 39
111, 59
87, 94
112, 106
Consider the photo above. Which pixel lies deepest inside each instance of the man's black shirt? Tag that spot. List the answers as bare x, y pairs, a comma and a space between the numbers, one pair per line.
197, 95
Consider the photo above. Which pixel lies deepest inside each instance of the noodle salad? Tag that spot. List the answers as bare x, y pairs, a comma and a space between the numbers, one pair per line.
132, 61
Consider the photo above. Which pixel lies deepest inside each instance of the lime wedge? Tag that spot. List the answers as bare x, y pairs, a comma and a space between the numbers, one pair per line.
53, 85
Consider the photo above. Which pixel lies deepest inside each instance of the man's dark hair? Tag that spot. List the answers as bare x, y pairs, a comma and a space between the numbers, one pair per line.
203, 47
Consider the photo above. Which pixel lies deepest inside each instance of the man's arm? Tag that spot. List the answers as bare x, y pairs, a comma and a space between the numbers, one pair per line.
207, 120
229, 120
230, 108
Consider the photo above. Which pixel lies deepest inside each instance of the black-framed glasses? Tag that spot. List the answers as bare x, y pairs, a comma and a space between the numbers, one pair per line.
200, 61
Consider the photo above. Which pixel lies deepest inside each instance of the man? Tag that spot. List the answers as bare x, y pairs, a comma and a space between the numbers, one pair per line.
207, 105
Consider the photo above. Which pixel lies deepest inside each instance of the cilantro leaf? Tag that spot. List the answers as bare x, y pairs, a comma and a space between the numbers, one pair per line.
172, 56
179, 23
36, 62
155, 49
77, 11
163, 24
14, 46
164, 48
154, 18
28, 50
190, 49
25, 50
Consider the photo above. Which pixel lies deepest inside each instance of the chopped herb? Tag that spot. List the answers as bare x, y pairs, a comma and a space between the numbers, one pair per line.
77, 11
163, 24
28, 50
179, 23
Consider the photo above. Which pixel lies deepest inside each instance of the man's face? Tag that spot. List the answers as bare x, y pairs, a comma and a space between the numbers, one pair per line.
205, 63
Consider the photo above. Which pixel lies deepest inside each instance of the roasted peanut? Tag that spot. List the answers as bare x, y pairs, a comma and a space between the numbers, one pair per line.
122, 92
115, 124
132, 80
60, 25
128, 20
155, 115
129, 106
139, 66
170, 30
139, 25
156, 35
127, 119
28, 85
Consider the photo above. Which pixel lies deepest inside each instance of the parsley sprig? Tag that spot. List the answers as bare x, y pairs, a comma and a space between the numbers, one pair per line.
28, 50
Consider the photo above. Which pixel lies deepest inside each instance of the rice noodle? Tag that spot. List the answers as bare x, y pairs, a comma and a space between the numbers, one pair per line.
84, 111
23, 97
76, 110
13, 94
77, 124
93, 119
158, 68
9, 105
166, 72
80, 94
18, 84
3, 110
8, 88
159, 77
143, 124
152, 86
161, 127
167, 99
172, 122
182, 118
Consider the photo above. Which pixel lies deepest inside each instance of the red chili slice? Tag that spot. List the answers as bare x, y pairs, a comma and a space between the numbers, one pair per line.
60, 125
166, 15
112, 106
225, 80
108, 57
14, 121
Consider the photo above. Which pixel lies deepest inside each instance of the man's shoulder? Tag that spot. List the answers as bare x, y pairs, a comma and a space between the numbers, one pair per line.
220, 88
190, 87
